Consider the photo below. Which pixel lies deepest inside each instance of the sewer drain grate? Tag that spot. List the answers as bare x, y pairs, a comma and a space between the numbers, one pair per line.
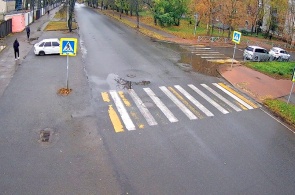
44, 135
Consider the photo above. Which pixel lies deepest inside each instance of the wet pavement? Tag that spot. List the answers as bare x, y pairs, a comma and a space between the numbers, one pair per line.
8, 65
253, 83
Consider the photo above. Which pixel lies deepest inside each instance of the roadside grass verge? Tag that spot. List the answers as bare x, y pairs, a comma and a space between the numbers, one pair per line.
132, 25
59, 22
61, 14
282, 110
185, 30
59, 26
278, 70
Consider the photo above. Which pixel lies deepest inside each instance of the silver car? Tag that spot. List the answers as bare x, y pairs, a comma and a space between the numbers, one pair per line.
279, 54
256, 53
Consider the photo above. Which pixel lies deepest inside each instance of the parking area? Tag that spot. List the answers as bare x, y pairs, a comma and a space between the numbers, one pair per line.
228, 51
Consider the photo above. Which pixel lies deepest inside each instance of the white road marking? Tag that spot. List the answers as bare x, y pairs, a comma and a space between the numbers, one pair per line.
221, 109
161, 106
142, 108
208, 57
233, 96
219, 60
202, 48
178, 103
204, 52
194, 101
207, 54
122, 110
221, 97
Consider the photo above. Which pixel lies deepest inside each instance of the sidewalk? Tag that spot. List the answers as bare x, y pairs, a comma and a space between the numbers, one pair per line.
8, 65
255, 84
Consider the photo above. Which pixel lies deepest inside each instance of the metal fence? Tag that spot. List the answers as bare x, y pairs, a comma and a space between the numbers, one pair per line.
213, 39
5, 28
268, 44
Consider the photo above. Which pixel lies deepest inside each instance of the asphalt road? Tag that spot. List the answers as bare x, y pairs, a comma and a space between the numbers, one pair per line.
106, 139
245, 152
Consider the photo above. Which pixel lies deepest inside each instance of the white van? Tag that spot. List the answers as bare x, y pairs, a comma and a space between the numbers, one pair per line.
47, 46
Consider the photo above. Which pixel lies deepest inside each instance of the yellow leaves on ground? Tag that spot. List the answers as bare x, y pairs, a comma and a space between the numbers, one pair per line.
59, 26
64, 91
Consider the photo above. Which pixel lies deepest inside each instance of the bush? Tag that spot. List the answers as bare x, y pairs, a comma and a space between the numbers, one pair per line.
165, 19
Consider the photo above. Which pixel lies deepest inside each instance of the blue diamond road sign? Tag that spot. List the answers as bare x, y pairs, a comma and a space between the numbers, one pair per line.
68, 46
236, 37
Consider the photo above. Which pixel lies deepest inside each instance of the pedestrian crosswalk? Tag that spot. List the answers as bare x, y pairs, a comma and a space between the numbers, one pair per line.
208, 54
135, 109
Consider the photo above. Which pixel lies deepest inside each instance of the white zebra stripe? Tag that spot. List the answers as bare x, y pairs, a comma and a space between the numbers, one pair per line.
201, 48
194, 101
221, 109
233, 96
161, 105
204, 51
122, 110
142, 108
222, 98
207, 54
208, 57
178, 103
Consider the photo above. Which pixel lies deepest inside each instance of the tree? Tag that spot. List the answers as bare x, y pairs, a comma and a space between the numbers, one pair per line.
254, 10
290, 22
208, 11
232, 12
71, 12
169, 12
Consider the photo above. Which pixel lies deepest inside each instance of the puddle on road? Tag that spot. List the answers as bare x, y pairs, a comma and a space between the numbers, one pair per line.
115, 81
129, 78
190, 62
198, 64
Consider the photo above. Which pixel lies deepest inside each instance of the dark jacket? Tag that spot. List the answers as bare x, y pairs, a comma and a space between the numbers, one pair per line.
28, 29
15, 45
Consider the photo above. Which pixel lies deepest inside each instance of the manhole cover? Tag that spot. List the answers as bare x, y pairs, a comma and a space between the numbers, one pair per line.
44, 135
131, 75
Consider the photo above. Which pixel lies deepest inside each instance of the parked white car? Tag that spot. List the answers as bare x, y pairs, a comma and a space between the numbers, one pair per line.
279, 54
47, 46
256, 53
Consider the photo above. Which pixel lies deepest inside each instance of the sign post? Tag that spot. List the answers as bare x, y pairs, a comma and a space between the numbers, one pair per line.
196, 18
293, 80
68, 47
236, 39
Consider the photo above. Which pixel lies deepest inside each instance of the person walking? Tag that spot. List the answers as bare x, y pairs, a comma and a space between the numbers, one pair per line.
16, 49
28, 32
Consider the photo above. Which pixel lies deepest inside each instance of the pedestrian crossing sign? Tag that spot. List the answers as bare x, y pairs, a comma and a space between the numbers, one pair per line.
236, 37
68, 46
293, 75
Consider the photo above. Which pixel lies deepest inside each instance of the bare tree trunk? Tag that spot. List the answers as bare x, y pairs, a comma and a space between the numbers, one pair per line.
137, 15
